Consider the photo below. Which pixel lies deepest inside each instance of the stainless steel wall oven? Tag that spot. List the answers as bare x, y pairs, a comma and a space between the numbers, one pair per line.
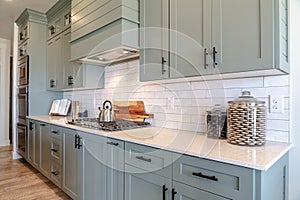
22, 105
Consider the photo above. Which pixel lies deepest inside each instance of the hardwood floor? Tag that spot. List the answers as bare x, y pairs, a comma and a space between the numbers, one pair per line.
19, 180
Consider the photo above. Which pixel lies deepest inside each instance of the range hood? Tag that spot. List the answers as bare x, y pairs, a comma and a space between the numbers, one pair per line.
118, 54
107, 35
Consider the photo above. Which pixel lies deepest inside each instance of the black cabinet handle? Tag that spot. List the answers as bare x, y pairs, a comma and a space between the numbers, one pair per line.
54, 173
70, 80
30, 126
113, 143
54, 150
163, 62
205, 58
143, 159
52, 83
173, 194
164, 189
42, 124
55, 132
214, 56
76, 141
213, 178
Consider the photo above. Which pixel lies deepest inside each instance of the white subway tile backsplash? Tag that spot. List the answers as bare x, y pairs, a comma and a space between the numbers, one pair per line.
272, 81
191, 99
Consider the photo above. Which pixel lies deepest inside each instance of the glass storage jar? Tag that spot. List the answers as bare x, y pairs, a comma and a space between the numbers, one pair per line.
246, 121
216, 122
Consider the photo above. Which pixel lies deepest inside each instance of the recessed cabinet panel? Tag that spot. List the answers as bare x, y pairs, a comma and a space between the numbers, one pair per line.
154, 57
242, 35
189, 44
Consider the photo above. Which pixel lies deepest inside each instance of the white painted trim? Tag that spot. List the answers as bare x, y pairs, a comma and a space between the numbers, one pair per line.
4, 90
15, 155
14, 86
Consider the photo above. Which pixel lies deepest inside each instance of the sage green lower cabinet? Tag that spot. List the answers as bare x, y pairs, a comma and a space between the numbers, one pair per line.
30, 141
45, 149
37, 146
72, 163
103, 168
215, 180
148, 173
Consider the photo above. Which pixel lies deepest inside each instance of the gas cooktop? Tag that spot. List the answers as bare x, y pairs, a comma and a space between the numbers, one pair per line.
117, 125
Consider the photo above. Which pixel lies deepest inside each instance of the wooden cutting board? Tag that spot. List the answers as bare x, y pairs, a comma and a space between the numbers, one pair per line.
130, 110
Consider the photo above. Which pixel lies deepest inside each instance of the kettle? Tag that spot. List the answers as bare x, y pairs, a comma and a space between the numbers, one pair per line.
105, 114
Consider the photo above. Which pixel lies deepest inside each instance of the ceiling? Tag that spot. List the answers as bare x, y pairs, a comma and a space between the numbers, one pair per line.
11, 9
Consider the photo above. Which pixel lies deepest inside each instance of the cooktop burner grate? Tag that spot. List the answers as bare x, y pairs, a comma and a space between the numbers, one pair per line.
117, 125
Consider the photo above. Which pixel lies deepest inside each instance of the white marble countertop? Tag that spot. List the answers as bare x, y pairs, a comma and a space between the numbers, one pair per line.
190, 143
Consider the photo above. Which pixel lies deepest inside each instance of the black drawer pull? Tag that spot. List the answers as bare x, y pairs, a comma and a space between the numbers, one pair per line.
213, 178
42, 124
54, 150
113, 143
164, 189
173, 194
143, 159
55, 132
55, 173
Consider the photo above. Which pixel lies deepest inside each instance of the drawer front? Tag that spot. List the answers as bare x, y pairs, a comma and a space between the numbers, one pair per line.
223, 179
56, 153
143, 159
56, 173
56, 132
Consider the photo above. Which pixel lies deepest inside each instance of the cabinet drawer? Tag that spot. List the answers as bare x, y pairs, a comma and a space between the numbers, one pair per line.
223, 179
56, 150
56, 132
55, 173
143, 159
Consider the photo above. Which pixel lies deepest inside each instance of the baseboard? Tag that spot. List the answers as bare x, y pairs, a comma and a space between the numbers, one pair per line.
15, 155
4, 143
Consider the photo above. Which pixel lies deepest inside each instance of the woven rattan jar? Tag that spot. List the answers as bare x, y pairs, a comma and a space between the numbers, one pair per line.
246, 121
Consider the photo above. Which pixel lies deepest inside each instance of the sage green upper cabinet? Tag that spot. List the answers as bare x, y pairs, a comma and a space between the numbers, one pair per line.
207, 37
154, 56
249, 35
189, 38
54, 66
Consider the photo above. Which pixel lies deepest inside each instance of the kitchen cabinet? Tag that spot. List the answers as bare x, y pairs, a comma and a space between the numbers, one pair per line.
33, 43
56, 155
54, 63
72, 163
212, 37
103, 168
30, 141
214, 180
45, 149
148, 173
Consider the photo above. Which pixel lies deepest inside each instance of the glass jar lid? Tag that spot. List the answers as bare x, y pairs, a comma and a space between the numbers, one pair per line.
217, 109
246, 98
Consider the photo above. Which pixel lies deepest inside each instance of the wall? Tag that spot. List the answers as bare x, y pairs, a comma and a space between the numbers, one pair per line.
183, 105
295, 99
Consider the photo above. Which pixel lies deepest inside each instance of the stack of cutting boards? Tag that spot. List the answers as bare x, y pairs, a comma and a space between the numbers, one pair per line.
130, 110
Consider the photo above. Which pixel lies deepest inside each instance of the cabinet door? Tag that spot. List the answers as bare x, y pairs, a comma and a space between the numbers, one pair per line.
154, 32
189, 40
147, 186
185, 192
242, 34
54, 63
94, 168
30, 141
72, 165
68, 78
37, 146
45, 149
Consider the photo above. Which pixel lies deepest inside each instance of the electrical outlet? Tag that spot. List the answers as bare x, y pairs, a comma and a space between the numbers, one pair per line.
276, 104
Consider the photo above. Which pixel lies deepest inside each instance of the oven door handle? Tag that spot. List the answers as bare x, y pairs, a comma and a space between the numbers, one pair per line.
21, 125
